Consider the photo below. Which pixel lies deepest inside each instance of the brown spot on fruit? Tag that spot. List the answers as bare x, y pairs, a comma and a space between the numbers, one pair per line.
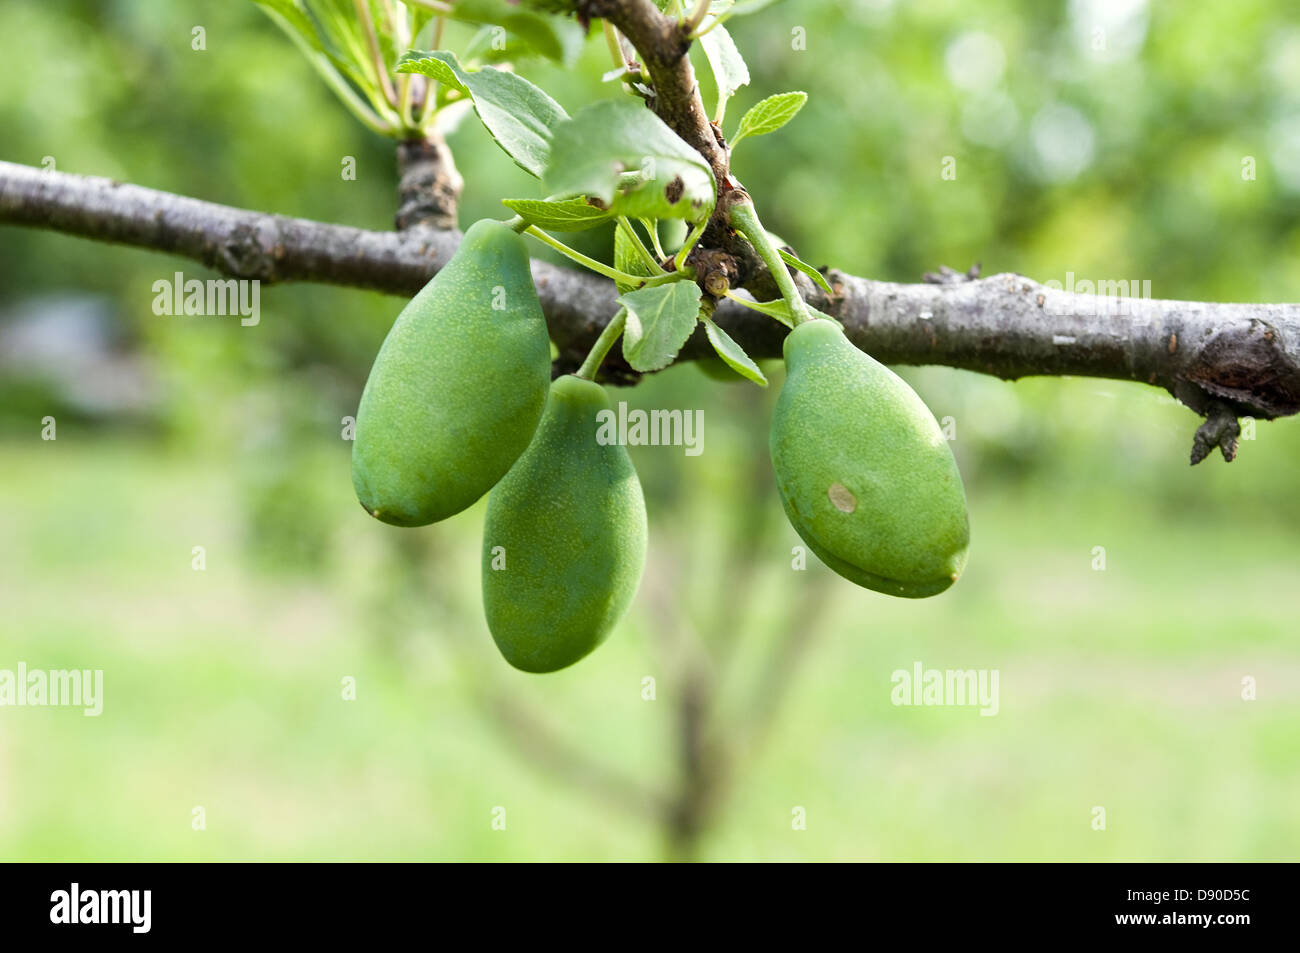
841, 498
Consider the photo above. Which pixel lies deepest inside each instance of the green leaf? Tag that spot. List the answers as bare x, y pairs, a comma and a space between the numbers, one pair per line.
550, 35
627, 259
564, 215
490, 45
328, 29
388, 52
732, 353
439, 65
519, 115
346, 47
651, 226
728, 66
769, 115
795, 262
639, 247
420, 17
607, 140
659, 321
777, 308
295, 17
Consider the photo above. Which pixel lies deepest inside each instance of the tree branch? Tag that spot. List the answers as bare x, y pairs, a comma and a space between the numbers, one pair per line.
663, 45
1244, 355
275, 248
1223, 358
236, 242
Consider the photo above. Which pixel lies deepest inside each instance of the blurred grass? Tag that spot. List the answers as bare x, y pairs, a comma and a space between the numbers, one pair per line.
1118, 688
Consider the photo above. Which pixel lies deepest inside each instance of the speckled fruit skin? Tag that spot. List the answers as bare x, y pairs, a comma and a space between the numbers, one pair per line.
458, 387
570, 517
865, 474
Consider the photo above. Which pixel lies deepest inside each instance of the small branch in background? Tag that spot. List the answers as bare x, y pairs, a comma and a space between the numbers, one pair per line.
747, 735
702, 758
545, 748
519, 724
748, 537
699, 775
802, 624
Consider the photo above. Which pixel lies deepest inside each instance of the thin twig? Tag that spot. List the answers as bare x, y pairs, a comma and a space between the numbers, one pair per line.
801, 624
545, 747
697, 16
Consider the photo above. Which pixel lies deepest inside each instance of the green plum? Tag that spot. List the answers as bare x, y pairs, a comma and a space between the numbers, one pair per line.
864, 472
458, 387
564, 540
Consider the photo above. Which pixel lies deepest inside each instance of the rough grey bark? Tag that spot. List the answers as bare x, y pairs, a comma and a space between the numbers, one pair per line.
1244, 355
1219, 359
428, 185
236, 242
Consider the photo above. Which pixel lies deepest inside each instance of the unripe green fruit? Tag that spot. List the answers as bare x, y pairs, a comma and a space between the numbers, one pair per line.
865, 474
564, 542
458, 387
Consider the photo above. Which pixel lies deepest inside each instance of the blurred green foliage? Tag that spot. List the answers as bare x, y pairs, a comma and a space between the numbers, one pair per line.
1106, 140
